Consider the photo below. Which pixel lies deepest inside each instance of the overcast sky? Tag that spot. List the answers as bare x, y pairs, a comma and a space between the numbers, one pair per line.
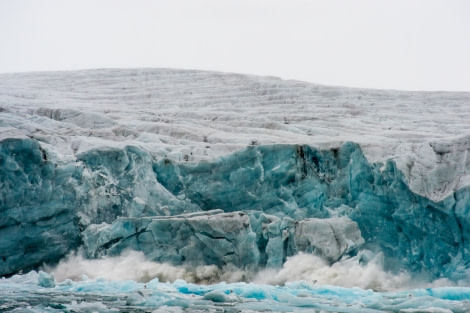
399, 44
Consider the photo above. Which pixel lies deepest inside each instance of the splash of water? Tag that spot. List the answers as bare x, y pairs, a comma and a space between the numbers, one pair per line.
132, 265
348, 272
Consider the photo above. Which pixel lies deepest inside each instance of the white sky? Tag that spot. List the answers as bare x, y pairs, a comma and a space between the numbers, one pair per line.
399, 44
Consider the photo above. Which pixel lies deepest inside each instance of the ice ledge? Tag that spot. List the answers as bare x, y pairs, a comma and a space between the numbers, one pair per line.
248, 241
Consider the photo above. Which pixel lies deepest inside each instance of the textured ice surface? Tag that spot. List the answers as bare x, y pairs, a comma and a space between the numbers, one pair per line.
233, 174
217, 238
201, 115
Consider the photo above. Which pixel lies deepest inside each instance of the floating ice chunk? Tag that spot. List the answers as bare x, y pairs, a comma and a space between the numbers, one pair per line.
219, 296
46, 280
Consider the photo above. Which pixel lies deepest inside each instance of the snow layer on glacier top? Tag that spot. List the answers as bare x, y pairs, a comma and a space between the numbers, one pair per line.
192, 115
174, 108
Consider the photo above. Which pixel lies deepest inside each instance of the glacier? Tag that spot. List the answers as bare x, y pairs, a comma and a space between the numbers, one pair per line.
228, 183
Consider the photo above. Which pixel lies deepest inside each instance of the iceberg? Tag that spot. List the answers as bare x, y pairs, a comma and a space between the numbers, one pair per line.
217, 179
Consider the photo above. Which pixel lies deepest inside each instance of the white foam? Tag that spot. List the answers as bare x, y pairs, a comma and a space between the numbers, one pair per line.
132, 265
349, 272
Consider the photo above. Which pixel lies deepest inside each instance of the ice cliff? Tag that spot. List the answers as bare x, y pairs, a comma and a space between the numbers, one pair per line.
198, 168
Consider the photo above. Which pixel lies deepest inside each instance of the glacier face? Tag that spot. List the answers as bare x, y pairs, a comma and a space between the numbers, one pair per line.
36, 205
250, 209
197, 168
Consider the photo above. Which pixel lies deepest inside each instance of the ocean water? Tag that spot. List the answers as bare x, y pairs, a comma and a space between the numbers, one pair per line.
129, 283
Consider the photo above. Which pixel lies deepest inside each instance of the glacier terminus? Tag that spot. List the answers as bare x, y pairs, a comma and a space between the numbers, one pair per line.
163, 190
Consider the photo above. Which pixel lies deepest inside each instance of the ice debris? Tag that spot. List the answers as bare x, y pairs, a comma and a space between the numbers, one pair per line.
46, 280
21, 293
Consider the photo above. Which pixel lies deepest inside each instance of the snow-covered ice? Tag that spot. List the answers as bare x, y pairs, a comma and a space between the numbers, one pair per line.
245, 193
